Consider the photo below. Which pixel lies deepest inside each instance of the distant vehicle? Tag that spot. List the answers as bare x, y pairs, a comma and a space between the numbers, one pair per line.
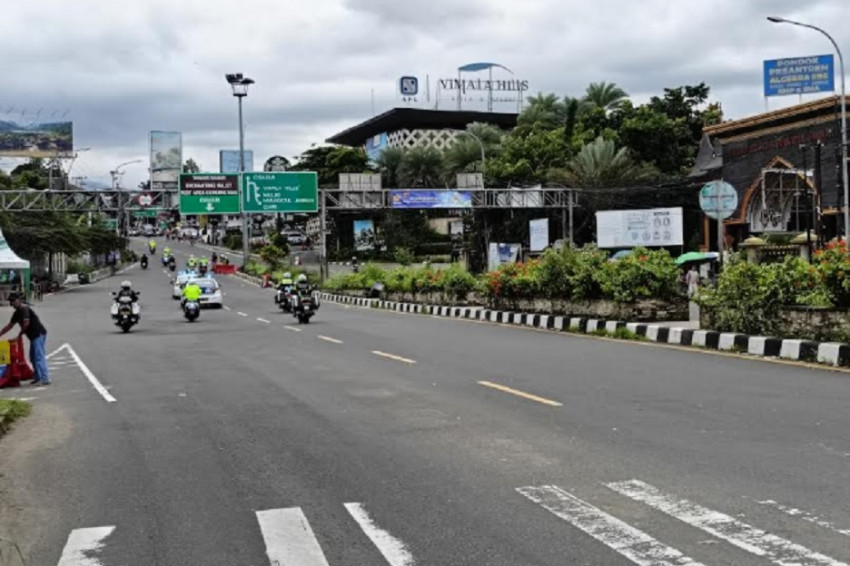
295, 238
189, 232
149, 230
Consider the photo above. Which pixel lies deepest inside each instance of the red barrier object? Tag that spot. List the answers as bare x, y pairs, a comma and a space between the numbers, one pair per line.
18, 369
223, 269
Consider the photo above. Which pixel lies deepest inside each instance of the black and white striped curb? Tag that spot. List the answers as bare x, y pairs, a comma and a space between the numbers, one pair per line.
830, 353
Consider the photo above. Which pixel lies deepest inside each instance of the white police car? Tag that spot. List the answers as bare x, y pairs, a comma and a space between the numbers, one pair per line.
211, 295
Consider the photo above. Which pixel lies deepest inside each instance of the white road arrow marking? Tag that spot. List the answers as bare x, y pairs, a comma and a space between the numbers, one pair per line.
81, 544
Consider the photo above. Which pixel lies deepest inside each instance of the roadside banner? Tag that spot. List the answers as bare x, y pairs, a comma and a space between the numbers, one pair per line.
418, 198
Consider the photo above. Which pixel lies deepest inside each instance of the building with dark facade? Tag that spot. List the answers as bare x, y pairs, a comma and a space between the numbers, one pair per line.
785, 165
416, 127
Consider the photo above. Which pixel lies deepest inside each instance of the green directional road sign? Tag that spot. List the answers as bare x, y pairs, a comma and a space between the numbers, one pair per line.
281, 192
209, 193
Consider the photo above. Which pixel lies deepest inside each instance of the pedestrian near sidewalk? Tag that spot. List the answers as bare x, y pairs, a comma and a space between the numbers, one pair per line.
692, 280
35, 331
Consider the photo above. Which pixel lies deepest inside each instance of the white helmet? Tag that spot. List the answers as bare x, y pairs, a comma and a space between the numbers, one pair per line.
287, 275
126, 285
302, 278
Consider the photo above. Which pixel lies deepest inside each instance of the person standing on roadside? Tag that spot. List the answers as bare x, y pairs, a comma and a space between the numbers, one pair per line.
37, 334
692, 281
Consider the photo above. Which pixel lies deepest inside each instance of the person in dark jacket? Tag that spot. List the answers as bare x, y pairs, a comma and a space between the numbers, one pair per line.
32, 327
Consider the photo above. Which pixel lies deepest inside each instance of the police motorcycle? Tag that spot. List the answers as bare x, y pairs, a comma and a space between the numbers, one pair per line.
125, 309
304, 302
191, 310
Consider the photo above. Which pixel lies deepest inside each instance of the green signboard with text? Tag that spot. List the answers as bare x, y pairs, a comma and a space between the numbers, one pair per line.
209, 193
287, 192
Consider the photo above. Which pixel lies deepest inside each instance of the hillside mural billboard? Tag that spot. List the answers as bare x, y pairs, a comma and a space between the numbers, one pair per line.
35, 139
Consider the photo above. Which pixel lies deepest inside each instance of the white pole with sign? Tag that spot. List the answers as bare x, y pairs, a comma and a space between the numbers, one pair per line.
718, 200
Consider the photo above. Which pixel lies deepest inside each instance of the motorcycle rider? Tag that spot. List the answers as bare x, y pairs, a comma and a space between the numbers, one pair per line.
144, 261
191, 292
204, 262
152, 246
302, 288
192, 262
166, 252
126, 290
285, 282
284, 287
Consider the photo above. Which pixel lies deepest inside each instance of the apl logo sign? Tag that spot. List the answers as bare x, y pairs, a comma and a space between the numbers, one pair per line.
145, 200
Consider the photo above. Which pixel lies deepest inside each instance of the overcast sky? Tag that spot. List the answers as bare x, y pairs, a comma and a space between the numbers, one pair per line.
125, 68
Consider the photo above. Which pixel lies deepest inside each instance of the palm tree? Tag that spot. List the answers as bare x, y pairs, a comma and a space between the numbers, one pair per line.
606, 96
601, 164
421, 167
388, 163
544, 110
466, 149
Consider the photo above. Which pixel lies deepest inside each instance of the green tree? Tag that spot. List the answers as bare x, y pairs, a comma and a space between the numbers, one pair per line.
528, 159
606, 96
544, 111
421, 167
191, 166
273, 256
388, 164
328, 161
465, 152
667, 130
5, 180
601, 164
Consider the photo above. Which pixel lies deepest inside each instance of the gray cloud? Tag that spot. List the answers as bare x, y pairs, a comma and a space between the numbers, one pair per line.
124, 69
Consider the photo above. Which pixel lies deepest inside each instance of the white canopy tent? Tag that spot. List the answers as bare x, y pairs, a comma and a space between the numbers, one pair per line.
10, 260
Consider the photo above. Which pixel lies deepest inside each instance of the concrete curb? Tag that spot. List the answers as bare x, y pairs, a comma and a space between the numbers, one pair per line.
829, 353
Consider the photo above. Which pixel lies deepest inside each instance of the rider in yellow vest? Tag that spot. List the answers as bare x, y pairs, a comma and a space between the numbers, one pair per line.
191, 292
192, 262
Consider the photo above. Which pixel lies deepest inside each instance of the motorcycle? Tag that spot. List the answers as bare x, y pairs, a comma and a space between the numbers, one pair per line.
172, 264
202, 269
283, 298
144, 262
304, 308
125, 312
191, 310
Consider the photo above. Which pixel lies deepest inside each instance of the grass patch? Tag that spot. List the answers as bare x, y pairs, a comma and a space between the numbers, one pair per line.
12, 410
624, 333
600, 332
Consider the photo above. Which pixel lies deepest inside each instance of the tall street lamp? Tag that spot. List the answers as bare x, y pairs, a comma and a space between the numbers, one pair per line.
240, 85
844, 171
116, 173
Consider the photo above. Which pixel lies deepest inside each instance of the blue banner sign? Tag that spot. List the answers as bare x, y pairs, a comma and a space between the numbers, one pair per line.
418, 198
799, 75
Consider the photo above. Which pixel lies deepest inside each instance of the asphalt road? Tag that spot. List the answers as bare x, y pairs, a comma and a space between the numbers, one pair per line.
374, 438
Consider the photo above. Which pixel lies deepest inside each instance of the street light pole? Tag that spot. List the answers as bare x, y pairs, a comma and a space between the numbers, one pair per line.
844, 171
240, 86
116, 173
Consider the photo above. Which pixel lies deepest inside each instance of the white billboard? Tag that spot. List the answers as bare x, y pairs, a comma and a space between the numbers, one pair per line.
653, 227
538, 234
